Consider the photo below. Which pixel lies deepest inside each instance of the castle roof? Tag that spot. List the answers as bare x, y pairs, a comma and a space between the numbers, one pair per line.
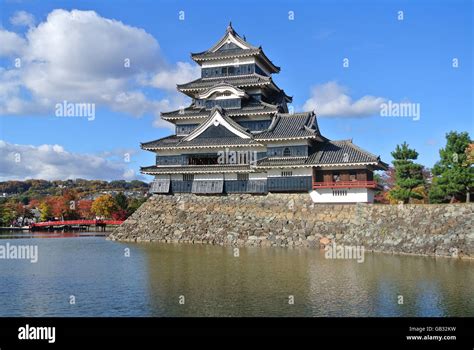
193, 112
231, 45
329, 153
287, 126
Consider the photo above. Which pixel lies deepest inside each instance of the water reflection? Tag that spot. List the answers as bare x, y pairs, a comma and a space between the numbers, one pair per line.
259, 282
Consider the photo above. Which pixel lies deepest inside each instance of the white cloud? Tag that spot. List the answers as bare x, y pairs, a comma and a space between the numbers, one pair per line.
12, 44
182, 73
79, 56
332, 100
50, 162
22, 18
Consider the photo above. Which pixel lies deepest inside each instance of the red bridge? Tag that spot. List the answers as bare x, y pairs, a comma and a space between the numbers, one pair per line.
98, 223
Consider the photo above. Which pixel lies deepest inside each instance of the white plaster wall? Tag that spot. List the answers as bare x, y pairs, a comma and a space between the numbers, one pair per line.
296, 172
354, 195
257, 176
208, 177
227, 62
230, 176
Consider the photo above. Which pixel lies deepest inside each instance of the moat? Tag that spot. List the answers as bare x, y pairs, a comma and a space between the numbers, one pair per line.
151, 279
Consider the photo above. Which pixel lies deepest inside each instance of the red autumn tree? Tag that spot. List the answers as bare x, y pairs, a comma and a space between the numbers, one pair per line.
84, 208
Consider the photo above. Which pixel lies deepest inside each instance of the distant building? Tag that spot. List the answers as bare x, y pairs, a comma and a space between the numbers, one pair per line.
239, 136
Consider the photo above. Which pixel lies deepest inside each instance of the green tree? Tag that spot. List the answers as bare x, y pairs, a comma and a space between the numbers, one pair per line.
408, 174
134, 204
453, 174
121, 201
8, 213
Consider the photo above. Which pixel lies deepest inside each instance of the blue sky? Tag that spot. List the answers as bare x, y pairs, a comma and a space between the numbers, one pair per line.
409, 60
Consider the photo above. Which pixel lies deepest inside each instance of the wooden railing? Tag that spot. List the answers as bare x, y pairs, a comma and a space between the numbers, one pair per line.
345, 184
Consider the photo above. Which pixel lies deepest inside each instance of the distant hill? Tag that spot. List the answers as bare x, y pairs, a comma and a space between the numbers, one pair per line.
38, 188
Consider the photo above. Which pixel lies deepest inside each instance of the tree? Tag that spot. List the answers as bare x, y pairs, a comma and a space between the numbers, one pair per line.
58, 205
84, 208
46, 211
103, 206
134, 204
120, 214
121, 201
470, 154
70, 198
408, 174
386, 181
453, 174
8, 212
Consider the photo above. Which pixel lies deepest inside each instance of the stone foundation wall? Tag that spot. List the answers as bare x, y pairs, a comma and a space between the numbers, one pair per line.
293, 220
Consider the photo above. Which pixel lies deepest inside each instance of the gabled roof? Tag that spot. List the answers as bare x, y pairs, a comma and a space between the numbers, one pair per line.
231, 34
216, 119
287, 126
240, 48
218, 130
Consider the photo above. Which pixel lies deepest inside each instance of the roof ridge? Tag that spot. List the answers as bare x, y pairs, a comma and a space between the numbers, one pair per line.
267, 104
189, 108
297, 114
274, 123
345, 140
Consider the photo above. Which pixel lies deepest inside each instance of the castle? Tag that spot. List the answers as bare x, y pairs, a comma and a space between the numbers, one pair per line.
239, 136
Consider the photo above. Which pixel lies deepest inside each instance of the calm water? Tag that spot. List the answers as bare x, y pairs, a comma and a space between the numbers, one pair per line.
213, 282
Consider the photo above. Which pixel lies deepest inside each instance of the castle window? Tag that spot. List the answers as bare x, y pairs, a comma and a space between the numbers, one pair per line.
286, 173
188, 177
339, 193
286, 152
242, 177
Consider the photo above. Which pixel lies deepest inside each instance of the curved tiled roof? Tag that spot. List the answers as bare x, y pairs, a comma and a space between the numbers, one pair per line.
205, 142
177, 142
193, 112
236, 80
165, 142
327, 153
231, 53
217, 53
340, 152
291, 126
280, 161
234, 53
